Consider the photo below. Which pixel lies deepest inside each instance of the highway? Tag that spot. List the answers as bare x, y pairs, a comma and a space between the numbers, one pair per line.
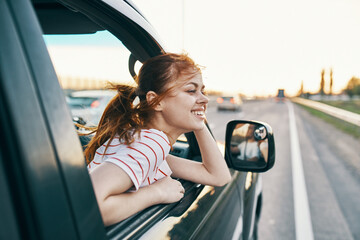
325, 178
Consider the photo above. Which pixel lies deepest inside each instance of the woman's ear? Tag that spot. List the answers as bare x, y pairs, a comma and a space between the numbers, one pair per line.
150, 98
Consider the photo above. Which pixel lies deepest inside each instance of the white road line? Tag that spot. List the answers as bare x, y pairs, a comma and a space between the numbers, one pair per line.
303, 223
238, 229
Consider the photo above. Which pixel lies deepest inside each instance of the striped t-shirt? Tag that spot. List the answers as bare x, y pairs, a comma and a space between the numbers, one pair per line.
144, 160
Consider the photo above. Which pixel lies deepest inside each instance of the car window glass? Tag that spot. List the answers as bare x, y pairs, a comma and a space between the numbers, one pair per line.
85, 64
227, 98
88, 61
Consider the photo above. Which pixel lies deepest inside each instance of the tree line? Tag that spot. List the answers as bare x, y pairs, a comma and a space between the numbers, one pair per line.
352, 88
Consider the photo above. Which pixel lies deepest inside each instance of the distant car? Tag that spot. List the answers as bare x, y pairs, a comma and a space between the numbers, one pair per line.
89, 105
280, 97
233, 103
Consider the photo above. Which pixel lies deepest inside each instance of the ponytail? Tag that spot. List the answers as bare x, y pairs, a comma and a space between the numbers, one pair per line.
120, 119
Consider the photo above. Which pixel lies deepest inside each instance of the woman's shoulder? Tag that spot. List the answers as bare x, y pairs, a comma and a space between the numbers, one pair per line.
152, 139
154, 135
110, 147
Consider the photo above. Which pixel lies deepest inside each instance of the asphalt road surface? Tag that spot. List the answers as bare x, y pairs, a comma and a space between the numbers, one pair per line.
328, 205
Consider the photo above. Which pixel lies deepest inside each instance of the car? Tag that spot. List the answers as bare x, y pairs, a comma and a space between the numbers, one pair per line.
89, 105
45, 188
229, 102
280, 97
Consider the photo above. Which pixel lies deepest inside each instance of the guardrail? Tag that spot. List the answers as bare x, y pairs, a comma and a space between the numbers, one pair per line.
342, 114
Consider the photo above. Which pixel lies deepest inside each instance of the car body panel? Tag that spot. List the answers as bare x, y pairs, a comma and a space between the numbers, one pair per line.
132, 12
200, 219
36, 118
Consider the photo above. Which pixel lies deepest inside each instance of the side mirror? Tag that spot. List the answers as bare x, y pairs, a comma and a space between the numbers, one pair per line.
249, 146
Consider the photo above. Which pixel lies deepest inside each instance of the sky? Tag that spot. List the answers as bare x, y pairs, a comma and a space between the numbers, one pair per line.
253, 47
256, 47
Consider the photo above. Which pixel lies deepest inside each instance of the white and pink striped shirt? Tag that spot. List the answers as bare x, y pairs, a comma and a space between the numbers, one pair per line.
144, 160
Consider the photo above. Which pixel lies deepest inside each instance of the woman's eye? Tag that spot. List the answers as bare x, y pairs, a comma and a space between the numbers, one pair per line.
191, 91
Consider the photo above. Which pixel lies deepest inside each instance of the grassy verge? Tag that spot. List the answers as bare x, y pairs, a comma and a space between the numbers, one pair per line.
340, 124
352, 106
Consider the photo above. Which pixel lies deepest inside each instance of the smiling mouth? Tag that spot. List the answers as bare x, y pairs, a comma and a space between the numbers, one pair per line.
198, 113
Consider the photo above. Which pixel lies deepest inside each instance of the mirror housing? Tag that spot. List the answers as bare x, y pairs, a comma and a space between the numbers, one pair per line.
249, 146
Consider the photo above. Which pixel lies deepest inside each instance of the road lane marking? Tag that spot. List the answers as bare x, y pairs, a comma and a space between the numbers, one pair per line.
238, 229
303, 223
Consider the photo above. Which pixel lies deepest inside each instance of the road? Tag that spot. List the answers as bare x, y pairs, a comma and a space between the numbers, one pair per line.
330, 161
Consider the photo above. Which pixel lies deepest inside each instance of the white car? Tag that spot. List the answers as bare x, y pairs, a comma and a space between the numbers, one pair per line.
229, 102
89, 105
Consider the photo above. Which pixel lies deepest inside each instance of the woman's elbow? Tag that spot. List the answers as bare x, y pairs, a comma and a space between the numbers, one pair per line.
107, 221
109, 215
103, 212
223, 180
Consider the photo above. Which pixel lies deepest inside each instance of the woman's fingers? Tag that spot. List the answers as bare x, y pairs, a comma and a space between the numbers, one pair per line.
171, 189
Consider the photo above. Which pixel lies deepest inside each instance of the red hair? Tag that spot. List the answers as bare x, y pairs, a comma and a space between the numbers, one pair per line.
120, 118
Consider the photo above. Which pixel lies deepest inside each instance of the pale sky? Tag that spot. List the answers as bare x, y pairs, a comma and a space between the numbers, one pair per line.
256, 47
252, 47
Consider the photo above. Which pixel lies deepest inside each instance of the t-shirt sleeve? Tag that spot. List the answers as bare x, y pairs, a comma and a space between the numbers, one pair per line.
137, 160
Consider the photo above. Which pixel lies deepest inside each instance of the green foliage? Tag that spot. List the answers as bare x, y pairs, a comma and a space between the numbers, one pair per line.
353, 87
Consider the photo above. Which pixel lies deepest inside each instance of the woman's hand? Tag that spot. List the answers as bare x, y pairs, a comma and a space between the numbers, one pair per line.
213, 169
169, 190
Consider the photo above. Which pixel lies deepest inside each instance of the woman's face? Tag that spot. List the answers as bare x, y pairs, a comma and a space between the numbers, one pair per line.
184, 108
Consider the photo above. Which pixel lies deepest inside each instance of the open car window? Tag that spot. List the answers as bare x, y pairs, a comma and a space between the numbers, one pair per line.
88, 61
85, 64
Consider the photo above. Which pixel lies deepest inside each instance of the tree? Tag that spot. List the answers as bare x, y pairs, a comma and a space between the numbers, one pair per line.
322, 83
301, 90
331, 81
353, 87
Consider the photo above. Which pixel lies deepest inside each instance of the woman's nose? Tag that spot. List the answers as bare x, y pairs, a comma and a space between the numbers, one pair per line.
203, 99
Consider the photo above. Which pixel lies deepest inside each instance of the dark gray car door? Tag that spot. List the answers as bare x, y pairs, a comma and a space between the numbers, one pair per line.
49, 193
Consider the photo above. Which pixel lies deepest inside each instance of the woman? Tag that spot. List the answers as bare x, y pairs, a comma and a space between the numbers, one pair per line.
130, 168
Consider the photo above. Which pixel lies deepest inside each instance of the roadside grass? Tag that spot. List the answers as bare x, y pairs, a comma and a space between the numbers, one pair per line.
338, 123
352, 106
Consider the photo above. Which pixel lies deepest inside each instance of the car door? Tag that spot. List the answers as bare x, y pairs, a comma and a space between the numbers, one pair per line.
148, 221
48, 191
43, 173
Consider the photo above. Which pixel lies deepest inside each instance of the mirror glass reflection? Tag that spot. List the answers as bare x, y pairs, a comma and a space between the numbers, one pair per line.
249, 143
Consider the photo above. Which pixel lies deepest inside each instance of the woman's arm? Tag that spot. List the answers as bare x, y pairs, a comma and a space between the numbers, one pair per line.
110, 184
212, 170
